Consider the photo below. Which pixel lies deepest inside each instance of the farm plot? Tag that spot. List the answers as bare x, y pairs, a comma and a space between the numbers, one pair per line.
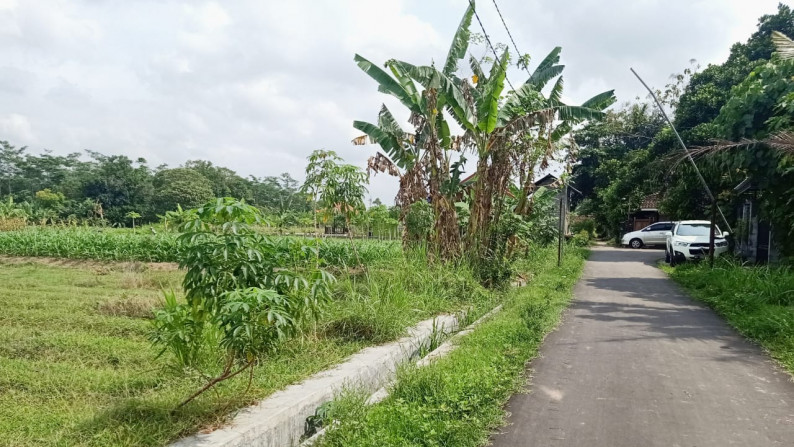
127, 245
77, 367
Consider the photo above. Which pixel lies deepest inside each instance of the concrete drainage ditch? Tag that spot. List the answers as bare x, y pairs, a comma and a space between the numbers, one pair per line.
281, 419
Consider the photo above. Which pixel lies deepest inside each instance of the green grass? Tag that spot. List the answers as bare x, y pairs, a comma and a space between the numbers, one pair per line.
757, 300
77, 369
459, 400
127, 245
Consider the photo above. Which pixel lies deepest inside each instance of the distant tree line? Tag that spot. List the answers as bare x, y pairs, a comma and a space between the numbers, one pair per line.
94, 187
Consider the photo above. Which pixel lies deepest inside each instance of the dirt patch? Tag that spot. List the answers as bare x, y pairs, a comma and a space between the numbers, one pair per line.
133, 307
100, 266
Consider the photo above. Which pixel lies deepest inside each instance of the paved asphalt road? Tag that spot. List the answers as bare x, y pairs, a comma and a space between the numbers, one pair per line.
636, 363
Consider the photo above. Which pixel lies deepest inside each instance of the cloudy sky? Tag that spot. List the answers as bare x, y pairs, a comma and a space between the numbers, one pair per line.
256, 85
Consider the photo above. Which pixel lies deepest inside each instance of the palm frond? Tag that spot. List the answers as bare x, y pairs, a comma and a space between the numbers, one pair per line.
784, 45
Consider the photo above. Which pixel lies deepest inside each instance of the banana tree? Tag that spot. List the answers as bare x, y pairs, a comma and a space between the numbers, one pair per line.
424, 156
499, 131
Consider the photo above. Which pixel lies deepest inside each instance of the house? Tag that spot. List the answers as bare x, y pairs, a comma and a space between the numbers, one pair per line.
647, 214
553, 183
753, 235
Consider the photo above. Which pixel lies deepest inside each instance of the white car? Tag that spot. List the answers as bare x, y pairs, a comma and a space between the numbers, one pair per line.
689, 240
655, 234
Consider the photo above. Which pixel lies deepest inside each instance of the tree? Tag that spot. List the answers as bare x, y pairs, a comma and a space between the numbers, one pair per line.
50, 200
10, 159
119, 185
183, 187
424, 156
322, 164
239, 293
223, 181
132, 215
710, 89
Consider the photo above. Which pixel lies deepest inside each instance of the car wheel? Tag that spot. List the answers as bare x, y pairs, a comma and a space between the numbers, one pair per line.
672, 260
635, 243
666, 256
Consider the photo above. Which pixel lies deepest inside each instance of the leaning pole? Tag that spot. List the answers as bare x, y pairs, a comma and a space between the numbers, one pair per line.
714, 207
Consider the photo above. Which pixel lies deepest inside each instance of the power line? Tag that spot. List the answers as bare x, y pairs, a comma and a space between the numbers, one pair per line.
488, 41
509, 34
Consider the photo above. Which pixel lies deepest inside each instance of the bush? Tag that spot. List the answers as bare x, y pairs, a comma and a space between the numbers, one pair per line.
581, 223
581, 239
238, 290
419, 220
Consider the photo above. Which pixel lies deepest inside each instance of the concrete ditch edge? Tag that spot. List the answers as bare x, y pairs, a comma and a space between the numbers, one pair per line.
279, 420
442, 351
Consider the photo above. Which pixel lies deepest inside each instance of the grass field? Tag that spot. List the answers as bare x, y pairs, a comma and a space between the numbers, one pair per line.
77, 369
757, 300
458, 400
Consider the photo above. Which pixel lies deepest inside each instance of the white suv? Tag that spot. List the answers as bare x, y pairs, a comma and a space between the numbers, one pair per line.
655, 234
689, 240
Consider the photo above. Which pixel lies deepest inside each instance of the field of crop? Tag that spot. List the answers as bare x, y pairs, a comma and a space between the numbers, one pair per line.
127, 245
77, 369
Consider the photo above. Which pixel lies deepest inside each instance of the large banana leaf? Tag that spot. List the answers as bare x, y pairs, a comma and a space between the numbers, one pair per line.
430, 77
386, 83
460, 43
488, 106
547, 70
388, 123
555, 97
601, 101
540, 77
389, 142
578, 113
405, 81
551, 59
560, 131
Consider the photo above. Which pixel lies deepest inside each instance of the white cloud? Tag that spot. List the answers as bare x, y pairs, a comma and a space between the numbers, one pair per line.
257, 85
17, 127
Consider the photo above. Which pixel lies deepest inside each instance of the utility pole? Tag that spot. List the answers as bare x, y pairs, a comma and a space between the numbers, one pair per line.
561, 225
712, 228
714, 208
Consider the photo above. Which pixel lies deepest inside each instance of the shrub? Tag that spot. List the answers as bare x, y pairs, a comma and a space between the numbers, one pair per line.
237, 291
582, 223
419, 220
581, 239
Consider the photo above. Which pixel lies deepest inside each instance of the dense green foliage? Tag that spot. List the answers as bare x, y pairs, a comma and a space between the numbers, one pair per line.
632, 154
458, 400
758, 301
124, 245
241, 294
101, 188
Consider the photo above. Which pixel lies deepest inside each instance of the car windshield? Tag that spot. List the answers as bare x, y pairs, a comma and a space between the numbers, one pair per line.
696, 230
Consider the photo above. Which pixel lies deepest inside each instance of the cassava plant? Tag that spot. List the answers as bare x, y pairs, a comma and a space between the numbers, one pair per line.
241, 294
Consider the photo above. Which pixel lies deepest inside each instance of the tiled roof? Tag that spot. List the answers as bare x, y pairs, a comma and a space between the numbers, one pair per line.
651, 202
